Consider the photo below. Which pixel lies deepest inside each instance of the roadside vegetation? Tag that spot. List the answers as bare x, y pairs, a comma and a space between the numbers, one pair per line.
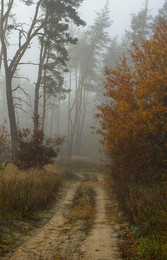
23, 192
133, 122
28, 184
134, 138
28, 181
23, 195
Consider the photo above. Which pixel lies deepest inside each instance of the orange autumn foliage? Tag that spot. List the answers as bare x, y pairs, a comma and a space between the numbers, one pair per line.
134, 119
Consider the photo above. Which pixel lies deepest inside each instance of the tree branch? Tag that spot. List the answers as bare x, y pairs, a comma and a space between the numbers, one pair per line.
26, 94
21, 77
28, 63
21, 100
30, 35
17, 106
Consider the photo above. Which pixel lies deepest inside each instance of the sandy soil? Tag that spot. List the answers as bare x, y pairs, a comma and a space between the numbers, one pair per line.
102, 241
59, 240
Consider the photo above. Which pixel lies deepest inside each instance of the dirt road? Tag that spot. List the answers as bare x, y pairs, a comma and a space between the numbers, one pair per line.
58, 239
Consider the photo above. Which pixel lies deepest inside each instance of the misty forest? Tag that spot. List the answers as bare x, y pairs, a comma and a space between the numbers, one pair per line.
83, 133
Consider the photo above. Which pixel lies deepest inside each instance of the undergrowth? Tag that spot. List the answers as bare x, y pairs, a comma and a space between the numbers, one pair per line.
25, 197
144, 221
21, 192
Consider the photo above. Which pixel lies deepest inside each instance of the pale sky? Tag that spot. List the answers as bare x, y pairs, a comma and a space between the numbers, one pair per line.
120, 11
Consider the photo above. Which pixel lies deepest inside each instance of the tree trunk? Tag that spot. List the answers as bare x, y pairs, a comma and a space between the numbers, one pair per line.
46, 53
11, 113
36, 99
76, 113
37, 85
52, 118
58, 119
69, 118
44, 102
82, 119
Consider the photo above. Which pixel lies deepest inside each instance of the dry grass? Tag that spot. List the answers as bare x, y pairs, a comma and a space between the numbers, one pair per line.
25, 202
57, 257
79, 163
83, 208
21, 192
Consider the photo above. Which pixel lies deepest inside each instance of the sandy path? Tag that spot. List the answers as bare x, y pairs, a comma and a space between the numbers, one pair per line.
58, 240
101, 244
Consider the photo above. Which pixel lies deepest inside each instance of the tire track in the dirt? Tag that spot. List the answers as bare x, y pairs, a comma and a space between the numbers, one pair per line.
48, 241
102, 242
81, 219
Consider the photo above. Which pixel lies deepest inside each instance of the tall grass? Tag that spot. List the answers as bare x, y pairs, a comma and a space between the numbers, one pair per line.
21, 192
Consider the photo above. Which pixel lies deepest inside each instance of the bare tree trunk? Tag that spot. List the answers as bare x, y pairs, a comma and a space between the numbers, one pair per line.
76, 111
6, 18
79, 101
82, 121
46, 53
44, 98
44, 103
15, 61
37, 85
51, 121
73, 123
8, 78
69, 118
58, 119
11, 113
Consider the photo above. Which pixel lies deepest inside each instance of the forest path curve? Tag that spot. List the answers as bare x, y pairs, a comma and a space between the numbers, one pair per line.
54, 242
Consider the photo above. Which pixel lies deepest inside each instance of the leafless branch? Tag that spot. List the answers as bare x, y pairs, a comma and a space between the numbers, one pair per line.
21, 77
21, 100
30, 35
18, 107
26, 94
28, 63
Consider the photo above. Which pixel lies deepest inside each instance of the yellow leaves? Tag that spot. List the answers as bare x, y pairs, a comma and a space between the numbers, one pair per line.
134, 118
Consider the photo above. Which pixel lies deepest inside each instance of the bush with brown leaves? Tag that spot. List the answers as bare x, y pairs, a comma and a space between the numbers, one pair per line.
35, 150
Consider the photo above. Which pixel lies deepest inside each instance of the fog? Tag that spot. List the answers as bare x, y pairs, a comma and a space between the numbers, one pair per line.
70, 111
120, 12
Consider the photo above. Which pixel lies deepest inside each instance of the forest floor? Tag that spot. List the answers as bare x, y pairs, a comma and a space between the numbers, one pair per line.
70, 234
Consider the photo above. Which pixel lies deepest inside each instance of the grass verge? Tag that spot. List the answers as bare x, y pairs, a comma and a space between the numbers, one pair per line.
25, 198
